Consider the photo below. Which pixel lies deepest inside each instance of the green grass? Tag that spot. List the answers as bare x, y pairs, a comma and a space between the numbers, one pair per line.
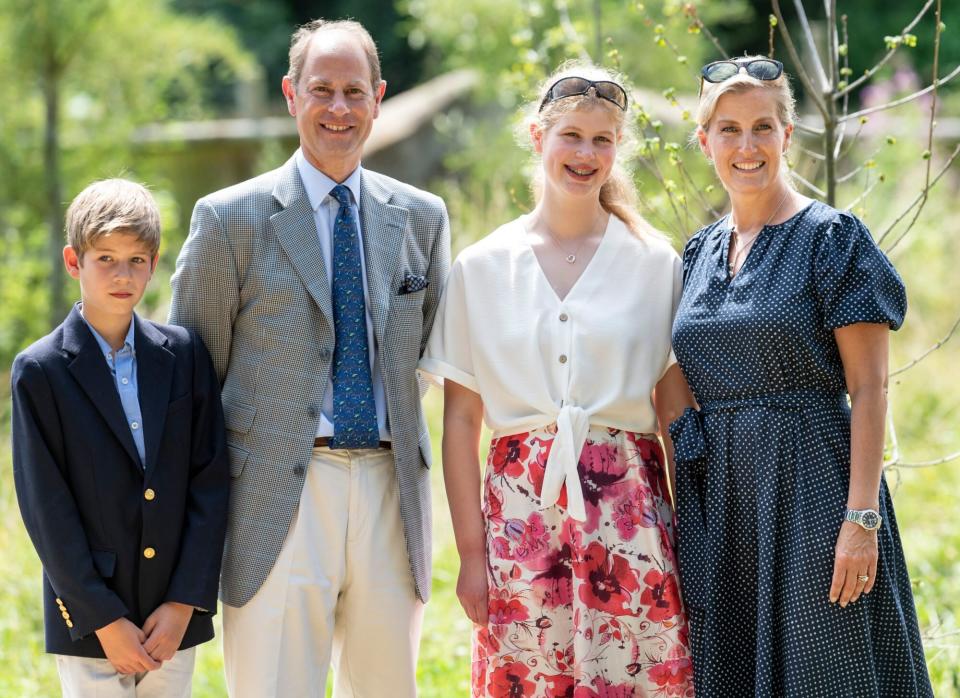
925, 501
926, 406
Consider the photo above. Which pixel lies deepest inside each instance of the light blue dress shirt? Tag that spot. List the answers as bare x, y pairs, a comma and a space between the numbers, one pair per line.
123, 366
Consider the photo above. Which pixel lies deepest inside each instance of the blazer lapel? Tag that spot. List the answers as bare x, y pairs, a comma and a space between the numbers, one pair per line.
90, 370
155, 364
297, 233
383, 228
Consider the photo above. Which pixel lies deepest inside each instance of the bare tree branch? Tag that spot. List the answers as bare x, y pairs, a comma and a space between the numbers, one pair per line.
809, 185
692, 13
909, 98
863, 195
825, 82
812, 154
921, 357
883, 61
859, 168
806, 128
846, 100
928, 463
917, 199
812, 92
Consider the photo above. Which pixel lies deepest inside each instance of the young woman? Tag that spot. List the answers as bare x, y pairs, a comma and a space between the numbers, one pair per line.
555, 330
790, 558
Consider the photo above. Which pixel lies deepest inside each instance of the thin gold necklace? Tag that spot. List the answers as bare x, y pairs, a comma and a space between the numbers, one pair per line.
738, 250
571, 257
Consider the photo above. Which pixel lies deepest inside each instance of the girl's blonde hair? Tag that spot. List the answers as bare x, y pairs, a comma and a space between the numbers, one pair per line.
618, 195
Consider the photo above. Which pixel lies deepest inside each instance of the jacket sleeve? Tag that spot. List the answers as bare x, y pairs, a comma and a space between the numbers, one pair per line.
196, 578
48, 507
206, 287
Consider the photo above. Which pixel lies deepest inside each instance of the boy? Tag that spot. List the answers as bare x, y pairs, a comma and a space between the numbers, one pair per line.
120, 465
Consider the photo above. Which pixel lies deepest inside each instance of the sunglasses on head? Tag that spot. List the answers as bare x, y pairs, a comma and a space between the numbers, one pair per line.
758, 68
574, 86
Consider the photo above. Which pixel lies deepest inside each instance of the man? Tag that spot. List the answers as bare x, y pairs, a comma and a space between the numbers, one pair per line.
314, 287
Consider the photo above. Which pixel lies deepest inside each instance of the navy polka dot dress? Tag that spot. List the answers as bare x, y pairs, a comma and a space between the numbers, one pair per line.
763, 467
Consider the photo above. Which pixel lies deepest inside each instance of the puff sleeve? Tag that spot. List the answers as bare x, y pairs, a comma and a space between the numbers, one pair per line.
449, 350
690, 253
854, 280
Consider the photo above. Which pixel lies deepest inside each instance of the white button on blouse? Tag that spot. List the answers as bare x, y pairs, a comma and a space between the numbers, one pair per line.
592, 358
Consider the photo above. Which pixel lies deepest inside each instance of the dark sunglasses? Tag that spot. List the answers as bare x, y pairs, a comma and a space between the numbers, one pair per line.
574, 86
759, 68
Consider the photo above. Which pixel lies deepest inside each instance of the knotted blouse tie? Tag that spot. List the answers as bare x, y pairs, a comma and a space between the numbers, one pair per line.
573, 423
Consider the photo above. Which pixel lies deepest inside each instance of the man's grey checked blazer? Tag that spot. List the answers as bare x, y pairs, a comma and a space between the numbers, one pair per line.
250, 280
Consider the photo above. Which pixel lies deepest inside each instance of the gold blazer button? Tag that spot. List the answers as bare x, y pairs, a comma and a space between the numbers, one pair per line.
149, 553
149, 495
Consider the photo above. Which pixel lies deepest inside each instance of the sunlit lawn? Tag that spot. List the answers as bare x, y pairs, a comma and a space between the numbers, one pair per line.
925, 504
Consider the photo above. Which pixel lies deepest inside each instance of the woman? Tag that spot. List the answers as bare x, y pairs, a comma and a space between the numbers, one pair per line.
555, 329
790, 559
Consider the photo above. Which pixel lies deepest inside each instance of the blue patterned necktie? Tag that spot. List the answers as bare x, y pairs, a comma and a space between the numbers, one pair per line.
354, 409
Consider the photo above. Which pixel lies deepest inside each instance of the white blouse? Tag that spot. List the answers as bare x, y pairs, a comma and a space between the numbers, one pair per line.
592, 358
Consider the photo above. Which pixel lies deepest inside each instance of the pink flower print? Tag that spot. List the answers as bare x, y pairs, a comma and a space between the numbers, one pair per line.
507, 455
503, 611
599, 468
610, 580
532, 539
661, 597
603, 689
501, 548
554, 586
635, 509
673, 676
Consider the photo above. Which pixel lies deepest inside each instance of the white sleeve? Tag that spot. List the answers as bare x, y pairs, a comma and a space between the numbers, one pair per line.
449, 353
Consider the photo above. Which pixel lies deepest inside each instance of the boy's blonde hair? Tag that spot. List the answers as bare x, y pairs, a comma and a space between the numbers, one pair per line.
112, 205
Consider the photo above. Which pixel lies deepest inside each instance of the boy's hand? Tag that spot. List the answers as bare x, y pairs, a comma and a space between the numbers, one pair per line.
165, 628
122, 642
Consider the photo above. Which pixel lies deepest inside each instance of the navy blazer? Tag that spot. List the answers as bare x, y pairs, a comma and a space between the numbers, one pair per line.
117, 539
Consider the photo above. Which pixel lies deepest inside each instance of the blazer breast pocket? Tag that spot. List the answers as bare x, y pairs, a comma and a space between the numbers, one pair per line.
178, 404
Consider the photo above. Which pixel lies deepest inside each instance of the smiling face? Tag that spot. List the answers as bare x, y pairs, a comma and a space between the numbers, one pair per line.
578, 150
334, 103
113, 274
747, 141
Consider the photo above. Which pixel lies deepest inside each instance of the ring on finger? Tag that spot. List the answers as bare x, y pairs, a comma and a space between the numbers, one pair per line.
863, 578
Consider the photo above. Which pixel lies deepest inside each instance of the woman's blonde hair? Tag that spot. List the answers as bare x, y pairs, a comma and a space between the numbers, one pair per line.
618, 195
740, 83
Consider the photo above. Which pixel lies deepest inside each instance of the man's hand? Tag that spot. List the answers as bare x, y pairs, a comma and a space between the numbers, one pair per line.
165, 628
122, 642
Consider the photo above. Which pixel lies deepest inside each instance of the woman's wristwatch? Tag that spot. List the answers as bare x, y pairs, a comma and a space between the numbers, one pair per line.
868, 519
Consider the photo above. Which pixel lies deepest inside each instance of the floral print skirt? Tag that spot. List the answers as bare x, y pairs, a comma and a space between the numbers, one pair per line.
581, 609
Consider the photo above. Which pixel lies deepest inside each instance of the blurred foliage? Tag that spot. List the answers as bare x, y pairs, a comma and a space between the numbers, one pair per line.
121, 64
265, 26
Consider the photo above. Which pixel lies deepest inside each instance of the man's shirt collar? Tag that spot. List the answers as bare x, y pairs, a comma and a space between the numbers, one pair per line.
319, 186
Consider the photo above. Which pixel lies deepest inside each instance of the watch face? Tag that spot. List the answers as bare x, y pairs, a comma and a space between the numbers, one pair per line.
871, 520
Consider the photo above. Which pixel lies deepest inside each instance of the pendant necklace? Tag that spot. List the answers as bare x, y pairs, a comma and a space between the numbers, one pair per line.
740, 249
570, 257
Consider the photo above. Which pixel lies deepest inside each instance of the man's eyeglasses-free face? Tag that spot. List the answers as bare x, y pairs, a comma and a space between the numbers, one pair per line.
759, 68
574, 86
